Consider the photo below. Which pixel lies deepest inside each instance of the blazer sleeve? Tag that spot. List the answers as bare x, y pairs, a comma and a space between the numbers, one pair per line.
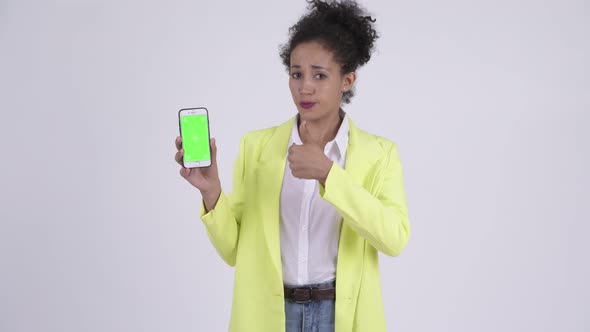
380, 218
223, 222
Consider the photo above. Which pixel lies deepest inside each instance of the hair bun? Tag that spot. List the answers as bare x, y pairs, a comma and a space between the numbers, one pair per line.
353, 19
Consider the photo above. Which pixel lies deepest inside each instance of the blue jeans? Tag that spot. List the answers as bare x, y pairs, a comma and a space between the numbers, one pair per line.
315, 316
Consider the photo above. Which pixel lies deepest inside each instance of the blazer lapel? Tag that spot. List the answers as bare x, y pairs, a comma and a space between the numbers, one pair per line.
270, 180
362, 153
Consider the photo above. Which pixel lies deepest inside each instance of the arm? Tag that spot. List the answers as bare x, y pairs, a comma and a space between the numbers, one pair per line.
223, 221
382, 219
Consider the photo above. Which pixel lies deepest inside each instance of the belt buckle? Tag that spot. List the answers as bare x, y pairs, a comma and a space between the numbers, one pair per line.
302, 291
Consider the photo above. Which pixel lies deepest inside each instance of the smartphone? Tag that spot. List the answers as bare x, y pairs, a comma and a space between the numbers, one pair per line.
194, 130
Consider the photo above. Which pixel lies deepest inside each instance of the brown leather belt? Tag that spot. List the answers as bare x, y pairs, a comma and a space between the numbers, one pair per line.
308, 294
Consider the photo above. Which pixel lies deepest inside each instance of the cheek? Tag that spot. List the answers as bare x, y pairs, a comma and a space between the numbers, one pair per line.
332, 91
292, 86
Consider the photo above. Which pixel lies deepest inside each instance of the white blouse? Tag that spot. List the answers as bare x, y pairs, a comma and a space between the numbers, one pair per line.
310, 226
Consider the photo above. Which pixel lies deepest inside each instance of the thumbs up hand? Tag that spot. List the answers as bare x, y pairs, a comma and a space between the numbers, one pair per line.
308, 161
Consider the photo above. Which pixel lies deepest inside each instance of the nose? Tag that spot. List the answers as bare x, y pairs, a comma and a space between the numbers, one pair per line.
306, 87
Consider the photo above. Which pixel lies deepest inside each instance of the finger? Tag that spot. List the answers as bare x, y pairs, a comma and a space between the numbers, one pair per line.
178, 142
178, 157
295, 173
185, 172
294, 149
213, 151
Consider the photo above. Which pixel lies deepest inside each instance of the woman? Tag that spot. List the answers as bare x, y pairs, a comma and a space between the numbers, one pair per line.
315, 198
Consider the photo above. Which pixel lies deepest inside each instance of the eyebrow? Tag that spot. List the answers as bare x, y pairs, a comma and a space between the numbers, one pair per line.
312, 66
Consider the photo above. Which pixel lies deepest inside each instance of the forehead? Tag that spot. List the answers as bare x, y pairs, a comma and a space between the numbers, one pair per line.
312, 53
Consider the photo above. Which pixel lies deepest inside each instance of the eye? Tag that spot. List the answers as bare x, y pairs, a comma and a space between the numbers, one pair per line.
296, 75
320, 76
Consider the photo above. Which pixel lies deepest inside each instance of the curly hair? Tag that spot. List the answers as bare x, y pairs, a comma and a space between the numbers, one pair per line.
342, 27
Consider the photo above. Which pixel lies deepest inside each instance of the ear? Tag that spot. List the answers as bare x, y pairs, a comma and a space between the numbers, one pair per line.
348, 81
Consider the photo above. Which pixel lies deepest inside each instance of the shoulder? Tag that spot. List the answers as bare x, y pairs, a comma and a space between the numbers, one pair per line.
275, 136
374, 142
260, 136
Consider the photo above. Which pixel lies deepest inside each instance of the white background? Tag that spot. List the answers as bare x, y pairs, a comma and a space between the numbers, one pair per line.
488, 101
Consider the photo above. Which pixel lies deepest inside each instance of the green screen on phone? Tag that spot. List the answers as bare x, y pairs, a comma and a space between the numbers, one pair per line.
195, 137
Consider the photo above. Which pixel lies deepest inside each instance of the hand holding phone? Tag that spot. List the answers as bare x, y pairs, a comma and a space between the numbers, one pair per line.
204, 175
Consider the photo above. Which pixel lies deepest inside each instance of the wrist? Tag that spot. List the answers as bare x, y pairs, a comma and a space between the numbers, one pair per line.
326, 170
210, 198
212, 193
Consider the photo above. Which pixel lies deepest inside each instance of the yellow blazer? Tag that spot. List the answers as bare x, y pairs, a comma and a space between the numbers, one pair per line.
244, 228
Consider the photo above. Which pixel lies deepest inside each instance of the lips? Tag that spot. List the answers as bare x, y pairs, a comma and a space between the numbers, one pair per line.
307, 104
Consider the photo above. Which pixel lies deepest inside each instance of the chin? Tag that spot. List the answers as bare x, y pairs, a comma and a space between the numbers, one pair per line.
305, 116
309, 115
312, 116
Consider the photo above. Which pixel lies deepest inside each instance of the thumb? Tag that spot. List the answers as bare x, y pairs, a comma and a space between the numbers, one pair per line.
306, 136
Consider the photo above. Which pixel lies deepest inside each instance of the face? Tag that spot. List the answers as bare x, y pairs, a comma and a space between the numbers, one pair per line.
316, 82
